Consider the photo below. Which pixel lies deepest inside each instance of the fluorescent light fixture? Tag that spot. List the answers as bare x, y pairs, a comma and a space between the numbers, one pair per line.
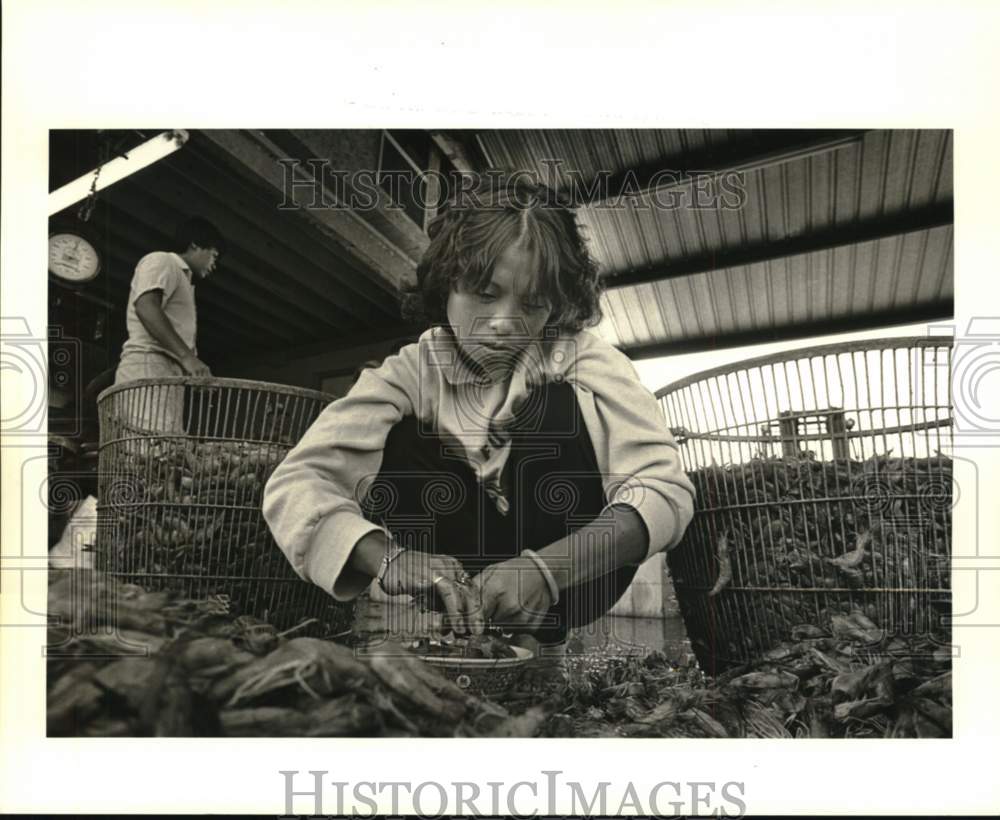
117, 169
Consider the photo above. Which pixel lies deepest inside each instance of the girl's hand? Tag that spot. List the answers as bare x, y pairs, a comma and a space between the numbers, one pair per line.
514, 593
419, 573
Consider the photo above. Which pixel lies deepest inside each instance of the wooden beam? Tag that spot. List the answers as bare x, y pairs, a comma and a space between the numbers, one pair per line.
333, 344
298, 247
433, 188
935, 312
268, 284
212, 335
839, 236
213, 323
133, 241
385, 216
254, 153
452, 148
236, 275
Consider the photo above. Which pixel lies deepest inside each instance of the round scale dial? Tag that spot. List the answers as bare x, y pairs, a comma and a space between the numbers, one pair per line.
73, 258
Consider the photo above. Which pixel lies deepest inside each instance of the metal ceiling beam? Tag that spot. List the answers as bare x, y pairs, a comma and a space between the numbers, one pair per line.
938, 311
741, 157
296, 247
252, 152
935, 216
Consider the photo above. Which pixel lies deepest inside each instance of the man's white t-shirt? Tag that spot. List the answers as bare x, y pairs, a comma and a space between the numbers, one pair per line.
166, 271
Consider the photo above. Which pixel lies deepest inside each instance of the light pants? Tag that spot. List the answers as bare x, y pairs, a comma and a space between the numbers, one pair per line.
153, 409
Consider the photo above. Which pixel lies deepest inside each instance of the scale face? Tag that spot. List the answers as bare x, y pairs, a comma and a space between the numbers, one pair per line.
73, 258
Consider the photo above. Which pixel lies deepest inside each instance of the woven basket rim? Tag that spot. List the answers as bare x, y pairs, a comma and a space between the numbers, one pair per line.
217, 382
480, 664
813, 352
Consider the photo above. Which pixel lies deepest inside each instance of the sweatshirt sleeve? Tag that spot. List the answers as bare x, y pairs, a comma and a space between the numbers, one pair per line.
641, 461
311, 502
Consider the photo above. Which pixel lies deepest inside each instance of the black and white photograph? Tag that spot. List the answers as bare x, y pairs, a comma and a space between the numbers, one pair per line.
466, 433
482, 411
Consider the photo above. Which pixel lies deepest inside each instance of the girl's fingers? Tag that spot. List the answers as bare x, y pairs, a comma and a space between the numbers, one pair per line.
465, 606
457, 591
442, 564
490, 600
472, 606
450, 597
448, 566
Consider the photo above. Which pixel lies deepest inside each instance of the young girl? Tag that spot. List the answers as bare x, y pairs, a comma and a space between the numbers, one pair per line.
509, 460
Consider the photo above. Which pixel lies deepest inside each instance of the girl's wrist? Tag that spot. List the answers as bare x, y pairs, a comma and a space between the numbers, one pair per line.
367, 555
557, 565
392, 552
546, 573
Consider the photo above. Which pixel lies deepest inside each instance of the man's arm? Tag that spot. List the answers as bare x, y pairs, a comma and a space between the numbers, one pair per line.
149, 309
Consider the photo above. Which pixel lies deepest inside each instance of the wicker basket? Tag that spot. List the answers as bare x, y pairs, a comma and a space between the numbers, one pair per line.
823, 486
183, 463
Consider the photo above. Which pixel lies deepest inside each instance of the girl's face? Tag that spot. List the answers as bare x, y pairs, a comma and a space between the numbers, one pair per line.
493, 325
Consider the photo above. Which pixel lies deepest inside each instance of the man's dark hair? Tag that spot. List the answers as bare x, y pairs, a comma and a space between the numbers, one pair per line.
198, 231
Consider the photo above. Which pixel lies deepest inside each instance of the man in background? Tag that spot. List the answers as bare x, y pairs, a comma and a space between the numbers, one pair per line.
162, 321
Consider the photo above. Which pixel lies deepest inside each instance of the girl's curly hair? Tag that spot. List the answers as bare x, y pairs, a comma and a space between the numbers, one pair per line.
478, 225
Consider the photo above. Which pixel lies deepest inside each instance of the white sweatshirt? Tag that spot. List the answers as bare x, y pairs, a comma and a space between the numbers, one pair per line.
312, 500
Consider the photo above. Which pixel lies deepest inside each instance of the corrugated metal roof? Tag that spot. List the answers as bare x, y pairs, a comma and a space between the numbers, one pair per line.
834, 229
883, 175
591, 151
872, 277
